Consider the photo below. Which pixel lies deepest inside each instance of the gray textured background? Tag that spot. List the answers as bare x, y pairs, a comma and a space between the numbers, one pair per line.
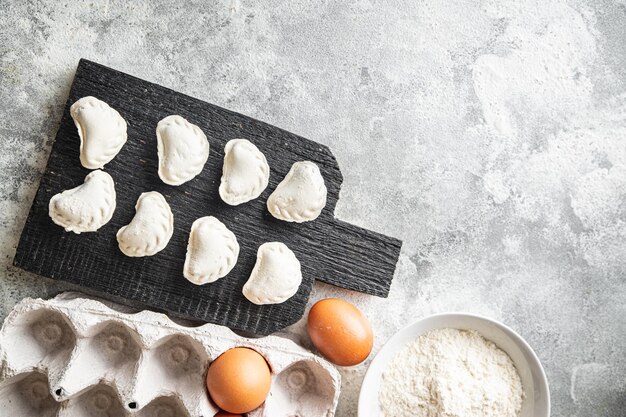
489, 136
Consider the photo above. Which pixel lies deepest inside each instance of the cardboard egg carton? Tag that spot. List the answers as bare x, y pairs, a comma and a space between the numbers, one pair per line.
72, 357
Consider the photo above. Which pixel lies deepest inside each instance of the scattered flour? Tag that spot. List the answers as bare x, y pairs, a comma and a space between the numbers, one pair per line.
451, 373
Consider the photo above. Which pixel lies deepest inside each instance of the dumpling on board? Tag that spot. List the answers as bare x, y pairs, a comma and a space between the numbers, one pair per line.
300, 196
212, 251
183, 149
151, 228
85, 208
276, 275
101, 129
245, 173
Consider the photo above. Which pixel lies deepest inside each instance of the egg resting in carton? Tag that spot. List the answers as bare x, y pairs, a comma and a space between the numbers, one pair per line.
73, 357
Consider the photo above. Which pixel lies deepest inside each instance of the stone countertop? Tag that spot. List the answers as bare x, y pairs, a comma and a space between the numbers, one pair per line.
489, 136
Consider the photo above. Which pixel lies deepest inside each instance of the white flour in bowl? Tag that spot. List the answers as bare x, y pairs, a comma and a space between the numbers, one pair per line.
451, 373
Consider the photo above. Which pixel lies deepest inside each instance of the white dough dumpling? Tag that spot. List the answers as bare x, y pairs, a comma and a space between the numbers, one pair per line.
300, 196
245, 173
101, 129
85, 208
276, 275
212, 251
183, 150
150, 230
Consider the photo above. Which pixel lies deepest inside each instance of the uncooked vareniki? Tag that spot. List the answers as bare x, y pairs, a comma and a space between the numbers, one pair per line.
87, 207
183, 149
300, 196
276, 275
101, 129
212, 251
151, 228
245, 173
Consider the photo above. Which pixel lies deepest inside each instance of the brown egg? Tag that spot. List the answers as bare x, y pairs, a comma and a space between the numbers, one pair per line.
227, 414
239, 380
340, 332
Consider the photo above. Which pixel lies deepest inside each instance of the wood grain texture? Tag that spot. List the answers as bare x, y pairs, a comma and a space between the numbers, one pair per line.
328, 249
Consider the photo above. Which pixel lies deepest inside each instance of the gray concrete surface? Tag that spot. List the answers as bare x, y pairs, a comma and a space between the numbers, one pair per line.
490, 136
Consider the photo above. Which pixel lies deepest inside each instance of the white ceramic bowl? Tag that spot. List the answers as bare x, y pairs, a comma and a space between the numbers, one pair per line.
537, 395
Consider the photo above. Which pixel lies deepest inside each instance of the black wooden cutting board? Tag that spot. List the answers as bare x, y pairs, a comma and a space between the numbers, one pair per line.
329, 250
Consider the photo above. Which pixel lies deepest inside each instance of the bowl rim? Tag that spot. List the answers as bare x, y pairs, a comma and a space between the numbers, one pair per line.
392, 341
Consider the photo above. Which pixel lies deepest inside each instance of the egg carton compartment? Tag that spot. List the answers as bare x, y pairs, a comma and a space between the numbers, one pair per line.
72, 356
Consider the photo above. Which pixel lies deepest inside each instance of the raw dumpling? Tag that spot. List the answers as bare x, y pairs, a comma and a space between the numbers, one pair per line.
101, 129
87, 207
183, 150
245, 174
301, 196
212, 251
150, 230
276, 276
